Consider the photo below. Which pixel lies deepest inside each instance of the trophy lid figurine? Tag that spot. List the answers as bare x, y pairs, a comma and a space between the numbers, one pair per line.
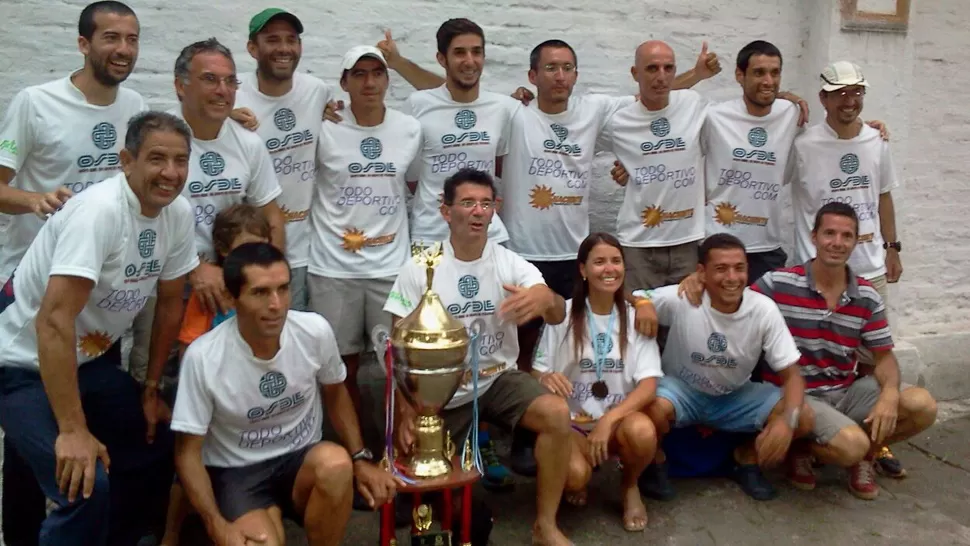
428, 348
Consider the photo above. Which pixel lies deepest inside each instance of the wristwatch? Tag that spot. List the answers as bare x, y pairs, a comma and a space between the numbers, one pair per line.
894, 245
363, 455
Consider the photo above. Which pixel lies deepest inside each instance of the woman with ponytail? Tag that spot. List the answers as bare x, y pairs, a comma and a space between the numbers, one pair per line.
608, 374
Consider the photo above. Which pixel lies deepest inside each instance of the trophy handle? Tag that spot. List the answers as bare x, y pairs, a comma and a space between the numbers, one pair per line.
449, 445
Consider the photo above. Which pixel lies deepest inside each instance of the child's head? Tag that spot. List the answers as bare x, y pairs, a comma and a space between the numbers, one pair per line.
238, 225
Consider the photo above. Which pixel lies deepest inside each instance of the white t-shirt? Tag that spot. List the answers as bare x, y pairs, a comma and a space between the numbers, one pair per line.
290, 127
548, 173
854, 171
715, 352
360, 223
52, 137
251, 410
557, 353
232, 168
456, 135
99, 235
472, 293
746, 162
661, 150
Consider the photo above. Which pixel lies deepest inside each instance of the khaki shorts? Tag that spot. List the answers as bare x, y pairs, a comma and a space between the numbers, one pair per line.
353, 307
648, 268
836, 410
503, 404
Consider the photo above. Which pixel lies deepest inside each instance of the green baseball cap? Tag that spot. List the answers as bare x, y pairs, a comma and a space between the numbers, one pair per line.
260, 20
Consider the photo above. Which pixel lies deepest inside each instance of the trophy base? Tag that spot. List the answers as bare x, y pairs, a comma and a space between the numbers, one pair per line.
442, 538
433, 449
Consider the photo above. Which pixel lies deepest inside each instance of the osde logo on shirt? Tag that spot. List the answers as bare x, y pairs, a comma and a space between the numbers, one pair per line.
660, 127
285, 120
849, 164
272, 385
212, 164
757, 137
104, 136
716, 343
560, 145
465, 120
371, 148
468, 287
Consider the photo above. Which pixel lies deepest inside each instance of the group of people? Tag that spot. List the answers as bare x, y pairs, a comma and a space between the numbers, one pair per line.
262, 229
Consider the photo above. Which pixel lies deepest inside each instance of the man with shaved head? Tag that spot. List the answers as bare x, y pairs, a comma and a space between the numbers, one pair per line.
657, 139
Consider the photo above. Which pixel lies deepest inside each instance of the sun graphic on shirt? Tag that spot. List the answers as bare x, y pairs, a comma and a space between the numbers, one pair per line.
541, 197
94, 344
725, 213
354, 240
652, 216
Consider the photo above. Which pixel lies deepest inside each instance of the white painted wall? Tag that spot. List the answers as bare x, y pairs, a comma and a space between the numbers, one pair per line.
918, 81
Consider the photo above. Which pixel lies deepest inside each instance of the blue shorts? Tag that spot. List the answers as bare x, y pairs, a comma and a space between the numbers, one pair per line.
743, 410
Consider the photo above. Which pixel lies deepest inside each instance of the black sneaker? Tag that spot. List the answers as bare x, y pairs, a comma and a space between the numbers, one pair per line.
753, 482
888, 465
654, 483
522, 457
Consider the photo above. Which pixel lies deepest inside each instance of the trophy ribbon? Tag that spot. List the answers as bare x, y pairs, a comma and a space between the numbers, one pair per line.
472, 436
389, 458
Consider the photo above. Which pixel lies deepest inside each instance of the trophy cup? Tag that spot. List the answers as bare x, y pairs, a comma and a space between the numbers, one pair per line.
428, 348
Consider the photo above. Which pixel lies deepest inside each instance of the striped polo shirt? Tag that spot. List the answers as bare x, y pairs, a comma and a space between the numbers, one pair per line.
828, 339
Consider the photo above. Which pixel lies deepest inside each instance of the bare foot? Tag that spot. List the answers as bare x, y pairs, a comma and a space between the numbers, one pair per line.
575, 498
549, 536
634, 511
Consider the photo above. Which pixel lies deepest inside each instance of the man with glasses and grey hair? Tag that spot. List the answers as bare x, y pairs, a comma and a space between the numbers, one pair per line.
844, 160
229, 163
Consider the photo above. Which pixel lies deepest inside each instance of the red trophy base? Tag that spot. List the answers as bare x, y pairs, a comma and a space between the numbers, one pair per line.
456, 479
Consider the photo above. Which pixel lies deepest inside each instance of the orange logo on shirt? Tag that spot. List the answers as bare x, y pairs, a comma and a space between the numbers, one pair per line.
94, 344
354, 240
294, 215
727, 214
542, 197
653, 216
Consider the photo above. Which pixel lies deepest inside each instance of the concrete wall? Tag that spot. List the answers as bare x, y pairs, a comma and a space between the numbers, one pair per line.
918, 79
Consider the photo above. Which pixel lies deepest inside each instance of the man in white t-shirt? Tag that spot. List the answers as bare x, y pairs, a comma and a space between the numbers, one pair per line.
65, 405
843, 160
747, 142
61, 137
707, 363
462, 127
56, 139
359, 240
490, 289
657, 140
229, 164
249, 415
289, 106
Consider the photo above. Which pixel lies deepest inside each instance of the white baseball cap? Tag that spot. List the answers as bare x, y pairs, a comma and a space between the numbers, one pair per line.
842, 74
359, 52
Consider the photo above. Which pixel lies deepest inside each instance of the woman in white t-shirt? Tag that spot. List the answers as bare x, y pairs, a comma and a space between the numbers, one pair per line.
608, 374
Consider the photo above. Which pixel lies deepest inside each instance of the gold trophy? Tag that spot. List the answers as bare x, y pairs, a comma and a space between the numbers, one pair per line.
428, 348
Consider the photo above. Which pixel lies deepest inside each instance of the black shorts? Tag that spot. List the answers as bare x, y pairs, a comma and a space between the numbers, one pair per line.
258, 486
760, 263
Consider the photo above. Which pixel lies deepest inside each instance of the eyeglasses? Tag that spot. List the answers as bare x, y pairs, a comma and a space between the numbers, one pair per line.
211, 81
469, 204
550, 68
844, 93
